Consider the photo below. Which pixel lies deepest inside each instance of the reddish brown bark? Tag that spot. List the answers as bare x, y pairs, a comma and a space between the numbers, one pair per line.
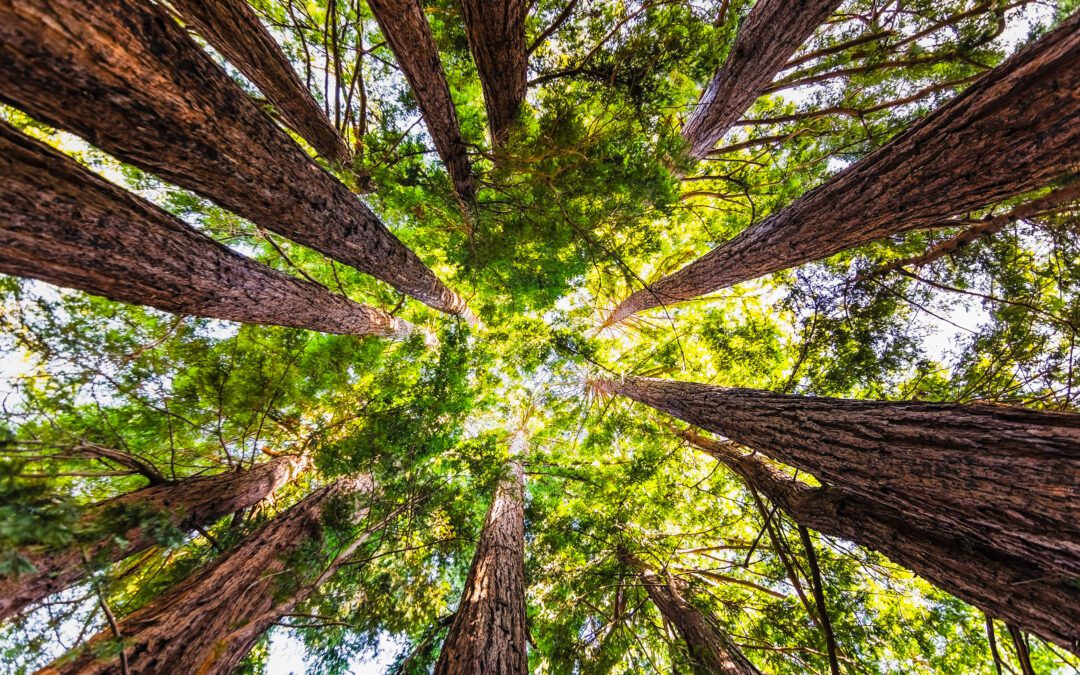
772, 32
496, 33
207, 623
125, 76
407, 30
63, 224
191, 503
1042, 603
1014, 130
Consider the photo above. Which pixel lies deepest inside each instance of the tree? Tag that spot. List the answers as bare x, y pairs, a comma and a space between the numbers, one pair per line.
496, 33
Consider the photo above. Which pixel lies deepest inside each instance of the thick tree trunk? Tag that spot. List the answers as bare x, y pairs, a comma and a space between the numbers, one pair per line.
772, 32
496, 33
63, 224
488, 632
1041, 602
711, 650
407, 30
191, 503
207, 623
233, 29
125, 76
1008, 478
1014, 130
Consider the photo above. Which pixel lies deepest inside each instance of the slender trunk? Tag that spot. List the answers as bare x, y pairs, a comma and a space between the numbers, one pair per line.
1042, 602
496, 33
488, 632
772, 32
63, 224
191, 503
407, 30
819, 601
711, 650
125, 76
1006, 477
1023, 656
233, 29
208, 622
1014, 130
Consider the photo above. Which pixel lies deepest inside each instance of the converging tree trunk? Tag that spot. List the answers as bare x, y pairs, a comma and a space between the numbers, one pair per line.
63, 224
207, 623
1044, 603
496, 33
1014, 130
767, 38
488, 632
125, 76
194, 502
407, 30
233, 29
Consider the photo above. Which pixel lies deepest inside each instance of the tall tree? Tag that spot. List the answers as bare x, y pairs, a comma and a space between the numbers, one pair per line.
488, 632
185, 505
772, 32
102, 69
209, 622
61, 223
1014, 130
496, 33
232, 27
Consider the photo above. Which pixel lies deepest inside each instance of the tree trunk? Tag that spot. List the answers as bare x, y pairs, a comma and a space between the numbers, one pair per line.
407, 30
772, 32
496, 33
233, 29
1003, 586
1008, 478
191, 503
488, 632
63, 224
710, 649
208, 622
1014, 130
125, 76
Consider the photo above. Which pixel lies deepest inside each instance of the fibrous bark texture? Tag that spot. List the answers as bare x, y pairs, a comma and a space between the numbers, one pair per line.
207, 623
1008, 478
233, 29
191, 503
771, 33
61, 223
1014, 130
1003, 586
125, 76
488, 632
496, 33
407, 30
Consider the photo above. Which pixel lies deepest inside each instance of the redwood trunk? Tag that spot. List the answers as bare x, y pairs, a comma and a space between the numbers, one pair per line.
772, 32
407, 30
191, 503
125, 76
1008, 478
63, 224
1014, 130
1041, 602
233, 29
496, 33
207, 623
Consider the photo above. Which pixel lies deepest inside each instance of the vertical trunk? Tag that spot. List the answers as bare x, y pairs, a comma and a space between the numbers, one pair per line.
1014, 130
496, 33
232, 27
191, 503
1006, 477
407, 30
63, 224
1042, 602
208, 622
710, 649
125, 76
771, 33
488, 632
